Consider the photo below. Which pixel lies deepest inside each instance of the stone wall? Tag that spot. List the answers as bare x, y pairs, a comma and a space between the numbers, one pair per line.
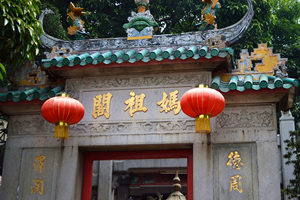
242, 137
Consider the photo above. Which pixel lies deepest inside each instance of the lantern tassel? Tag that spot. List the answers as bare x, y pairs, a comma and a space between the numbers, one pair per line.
61, 130
203, 124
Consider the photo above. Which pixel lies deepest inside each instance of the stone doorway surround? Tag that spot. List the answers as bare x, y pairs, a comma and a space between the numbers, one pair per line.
89, 157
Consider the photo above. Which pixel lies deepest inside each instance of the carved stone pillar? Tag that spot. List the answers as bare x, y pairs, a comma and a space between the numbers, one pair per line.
105, 180
287, 124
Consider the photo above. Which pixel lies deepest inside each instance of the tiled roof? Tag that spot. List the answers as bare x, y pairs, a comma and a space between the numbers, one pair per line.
31, 94
248, 82
132, 56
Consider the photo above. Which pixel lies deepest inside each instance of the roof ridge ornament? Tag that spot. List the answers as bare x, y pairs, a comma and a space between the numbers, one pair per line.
142, 24
261, 61
76, 29
208, 15
228, 36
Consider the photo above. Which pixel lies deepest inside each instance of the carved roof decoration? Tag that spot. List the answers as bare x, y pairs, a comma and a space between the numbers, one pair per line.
258, 71
228, 35
261, 61
30, 75
141, 25
209, 50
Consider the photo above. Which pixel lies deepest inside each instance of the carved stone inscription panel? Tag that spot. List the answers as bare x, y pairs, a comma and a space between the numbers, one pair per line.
151, 98
246, 117
38, 173
235, 171
31, 125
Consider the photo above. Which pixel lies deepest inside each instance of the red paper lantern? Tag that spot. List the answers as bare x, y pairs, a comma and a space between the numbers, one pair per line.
202, 103
62, 111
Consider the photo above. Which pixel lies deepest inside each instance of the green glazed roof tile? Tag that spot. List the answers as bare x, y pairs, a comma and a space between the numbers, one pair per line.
78, 59
159, 58
203, 51
68, 59
191, 51
132, 55
119, 61
95, 62
40, 92
286, 86
196, 57
141, 54
92, 57
31, 94
105, 55
240, 88
208, 56
167, 53
107, 62
215, 52
183, 57
172, 57
146, 59
265, 81
179, 51
26, 93
132, 60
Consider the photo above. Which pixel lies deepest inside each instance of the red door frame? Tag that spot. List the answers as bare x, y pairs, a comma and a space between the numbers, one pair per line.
89, 157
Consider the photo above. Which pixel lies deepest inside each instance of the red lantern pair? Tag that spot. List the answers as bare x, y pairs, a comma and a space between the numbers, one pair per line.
202, 103
62, 111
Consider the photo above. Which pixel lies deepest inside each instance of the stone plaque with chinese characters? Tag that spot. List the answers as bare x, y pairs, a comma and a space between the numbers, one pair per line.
235, 171
139, 97
37, 174
132, 104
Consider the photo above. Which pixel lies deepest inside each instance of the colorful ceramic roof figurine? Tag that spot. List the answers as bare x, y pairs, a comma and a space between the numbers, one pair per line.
76, 29
208, 15
142, 24
227, 36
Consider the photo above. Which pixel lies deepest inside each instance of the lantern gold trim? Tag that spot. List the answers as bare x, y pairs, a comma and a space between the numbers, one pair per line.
61, 130
203, 124
63, 95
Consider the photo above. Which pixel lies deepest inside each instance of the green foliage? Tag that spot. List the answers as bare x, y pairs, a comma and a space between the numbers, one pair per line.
103, 19
20, 31
286, 34
286, 41
261, 26
293, 158
287, 28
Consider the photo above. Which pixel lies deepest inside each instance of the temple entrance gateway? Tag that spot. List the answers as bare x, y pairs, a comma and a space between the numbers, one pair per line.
139, 175
134, 135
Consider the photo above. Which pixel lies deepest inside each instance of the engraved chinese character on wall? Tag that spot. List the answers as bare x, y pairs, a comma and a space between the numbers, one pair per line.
39, 164
235, 160
38, 184
235, 163
101, 105
135, 103
172, 103
236, 183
